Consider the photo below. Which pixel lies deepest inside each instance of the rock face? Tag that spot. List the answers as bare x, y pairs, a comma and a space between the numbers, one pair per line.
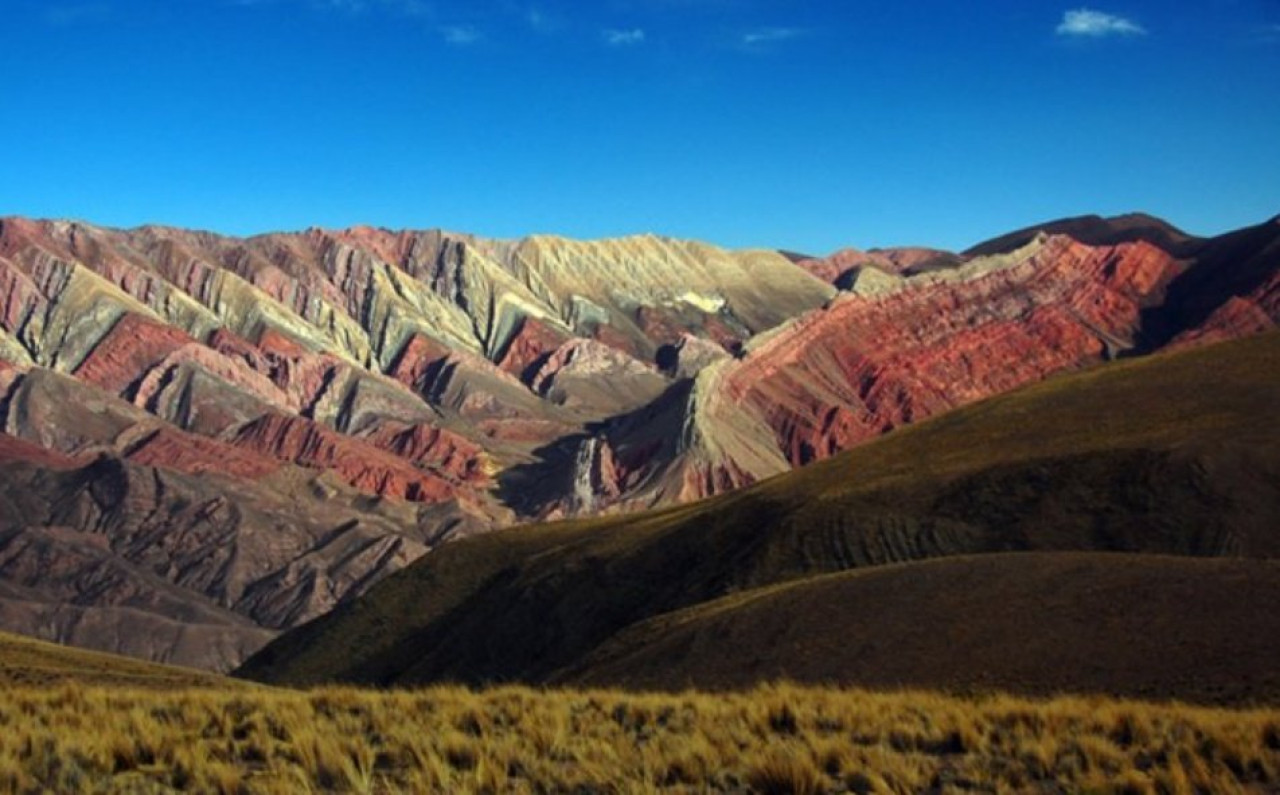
365, 466
214, 438
458, 384
590, 375
868, 364
914, 344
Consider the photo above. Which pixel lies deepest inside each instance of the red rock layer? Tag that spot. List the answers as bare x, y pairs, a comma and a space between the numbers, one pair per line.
133, 346
433, 448
301, 441
867, 365
418, 362
902, 259
169, 448
300, 375
14, 449
232, 345
533, 341
1238, 317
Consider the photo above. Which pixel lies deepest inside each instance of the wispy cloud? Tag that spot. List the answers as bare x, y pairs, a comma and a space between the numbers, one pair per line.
624, 38
763, 37
542, 22
408, 8
1096, 24
350, 6
76, 13
460, 35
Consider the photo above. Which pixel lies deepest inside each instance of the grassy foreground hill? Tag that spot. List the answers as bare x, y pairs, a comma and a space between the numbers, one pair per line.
74, 737
1172, 455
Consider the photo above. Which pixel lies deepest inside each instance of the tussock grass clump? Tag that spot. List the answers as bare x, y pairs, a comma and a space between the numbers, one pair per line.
774, 739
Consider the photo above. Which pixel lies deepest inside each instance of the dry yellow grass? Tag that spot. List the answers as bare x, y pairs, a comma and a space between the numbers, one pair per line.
775, 739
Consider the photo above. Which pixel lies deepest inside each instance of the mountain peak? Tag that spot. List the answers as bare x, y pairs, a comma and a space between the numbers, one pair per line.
1095, 230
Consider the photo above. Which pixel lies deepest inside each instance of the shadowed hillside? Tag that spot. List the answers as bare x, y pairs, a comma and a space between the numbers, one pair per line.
1135, 625
1175, 454
1096, 230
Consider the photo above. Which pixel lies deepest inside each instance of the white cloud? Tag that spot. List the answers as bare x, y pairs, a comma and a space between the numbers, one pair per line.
765, 36
1096, 24
460, 35
623, 38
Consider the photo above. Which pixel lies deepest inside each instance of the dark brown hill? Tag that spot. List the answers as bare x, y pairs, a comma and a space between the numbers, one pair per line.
1094, 230
1148, 626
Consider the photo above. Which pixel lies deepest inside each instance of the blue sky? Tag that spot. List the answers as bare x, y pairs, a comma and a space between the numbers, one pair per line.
801, 125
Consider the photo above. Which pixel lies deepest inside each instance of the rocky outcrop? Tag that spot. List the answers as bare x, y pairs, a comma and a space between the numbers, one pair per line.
533, 341
1231, 289
588, 375
434, 449
300, 441
688, 356
878, 359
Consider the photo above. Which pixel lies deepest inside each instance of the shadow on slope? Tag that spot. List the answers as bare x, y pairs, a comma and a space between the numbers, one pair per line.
1234, 264
1146, 626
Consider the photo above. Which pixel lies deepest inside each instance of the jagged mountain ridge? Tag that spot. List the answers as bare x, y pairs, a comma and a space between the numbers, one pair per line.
445, 384
308, 412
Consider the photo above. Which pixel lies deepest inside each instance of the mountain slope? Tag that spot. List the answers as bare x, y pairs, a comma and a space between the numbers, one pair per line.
211, 439
25, 662
1131, 457
1146, 626
254, 430
896, 349
1094, 230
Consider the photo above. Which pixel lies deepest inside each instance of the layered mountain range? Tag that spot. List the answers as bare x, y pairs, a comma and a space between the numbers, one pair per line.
207, 440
